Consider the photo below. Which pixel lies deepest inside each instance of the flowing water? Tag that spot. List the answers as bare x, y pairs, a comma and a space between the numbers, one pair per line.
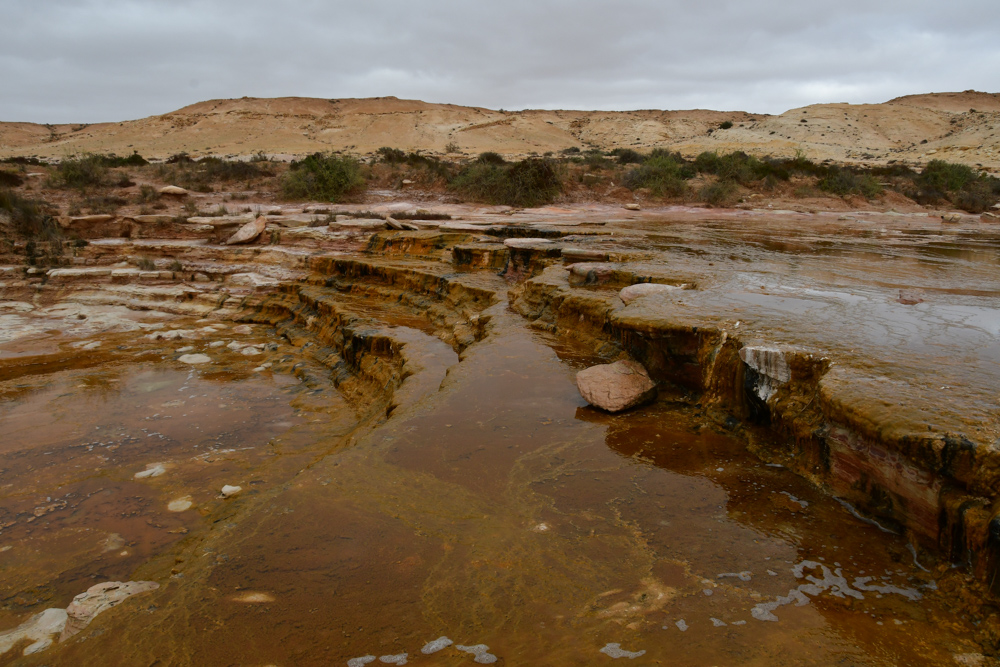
497, 518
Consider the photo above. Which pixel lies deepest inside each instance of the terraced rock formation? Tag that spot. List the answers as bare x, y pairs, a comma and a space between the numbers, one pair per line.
418, 360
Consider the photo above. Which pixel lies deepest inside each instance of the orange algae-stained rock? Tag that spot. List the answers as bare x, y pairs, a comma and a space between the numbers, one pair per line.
616, 387
248, 232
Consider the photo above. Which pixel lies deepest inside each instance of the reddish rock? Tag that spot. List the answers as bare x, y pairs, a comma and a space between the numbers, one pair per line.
616, 387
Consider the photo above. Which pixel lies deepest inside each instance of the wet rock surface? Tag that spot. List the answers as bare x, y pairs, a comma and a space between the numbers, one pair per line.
616, 387
413, 458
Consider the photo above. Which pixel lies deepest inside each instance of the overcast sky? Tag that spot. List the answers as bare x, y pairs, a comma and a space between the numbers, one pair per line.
109, 60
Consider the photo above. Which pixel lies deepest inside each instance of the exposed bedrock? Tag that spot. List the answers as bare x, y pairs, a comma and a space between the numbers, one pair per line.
879, 443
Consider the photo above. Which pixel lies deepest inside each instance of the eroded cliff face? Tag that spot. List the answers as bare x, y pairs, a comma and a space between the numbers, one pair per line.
398, 410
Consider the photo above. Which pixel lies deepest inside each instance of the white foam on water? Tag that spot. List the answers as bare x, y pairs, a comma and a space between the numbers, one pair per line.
717, 623
436, 645
615, 650
742, 576
802, 503
832, 582
398, 659
681, 625
481, 651
360, 662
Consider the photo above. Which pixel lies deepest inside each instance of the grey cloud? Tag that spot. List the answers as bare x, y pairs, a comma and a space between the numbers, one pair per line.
92, 60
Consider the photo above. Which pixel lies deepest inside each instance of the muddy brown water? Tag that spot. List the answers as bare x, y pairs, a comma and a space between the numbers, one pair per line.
499, 511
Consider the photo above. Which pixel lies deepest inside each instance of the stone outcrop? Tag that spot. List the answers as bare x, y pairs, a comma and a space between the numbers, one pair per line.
616, 387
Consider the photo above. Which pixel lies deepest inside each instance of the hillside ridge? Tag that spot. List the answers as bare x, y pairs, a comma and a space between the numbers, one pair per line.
961, 127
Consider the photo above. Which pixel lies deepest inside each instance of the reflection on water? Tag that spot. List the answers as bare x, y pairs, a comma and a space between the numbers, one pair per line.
502, 518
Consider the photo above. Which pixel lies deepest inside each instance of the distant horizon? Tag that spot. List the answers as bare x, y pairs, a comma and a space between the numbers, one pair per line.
497, 109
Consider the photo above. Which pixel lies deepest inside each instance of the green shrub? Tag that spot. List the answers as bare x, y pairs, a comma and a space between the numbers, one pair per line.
103, 204
146, 264
725, 125
739, 167
323, 177
391, 155
843, 181
978, 195
628, 156
489, 157
9, 179
661, 173
721, 193
29, 217
944, 176
87, 171
530, 182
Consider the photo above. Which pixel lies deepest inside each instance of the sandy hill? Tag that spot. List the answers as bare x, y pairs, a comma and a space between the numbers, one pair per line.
962, 127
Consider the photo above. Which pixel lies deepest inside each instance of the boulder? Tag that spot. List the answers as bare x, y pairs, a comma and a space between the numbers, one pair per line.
99, 598
173, 190
633, 292
616, 387
248, 232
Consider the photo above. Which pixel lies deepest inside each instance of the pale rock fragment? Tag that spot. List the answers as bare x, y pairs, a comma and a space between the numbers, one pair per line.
180, 504
243, 329
632, 207
152, 470
173, 190
248, 232
253, 597
633, 292
616, 387
228, 491
40, 628
99, 598
253, 280
194, 359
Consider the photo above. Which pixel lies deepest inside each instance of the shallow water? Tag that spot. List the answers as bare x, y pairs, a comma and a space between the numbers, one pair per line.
498, 511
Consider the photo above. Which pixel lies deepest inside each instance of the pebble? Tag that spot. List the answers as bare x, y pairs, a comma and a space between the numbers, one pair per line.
230, 491
180, 504
194, 359
152, 470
